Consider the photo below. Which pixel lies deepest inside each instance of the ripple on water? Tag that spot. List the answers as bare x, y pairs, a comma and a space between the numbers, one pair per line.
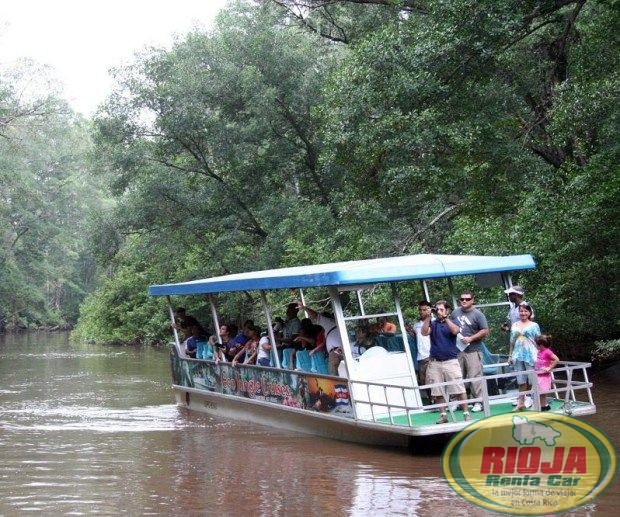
43, 417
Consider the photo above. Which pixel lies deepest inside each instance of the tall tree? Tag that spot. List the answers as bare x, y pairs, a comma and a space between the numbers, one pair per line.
228, 146
45, 268
347, 21
481, 123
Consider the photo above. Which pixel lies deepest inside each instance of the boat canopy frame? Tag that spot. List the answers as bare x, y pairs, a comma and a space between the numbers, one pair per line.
349, 274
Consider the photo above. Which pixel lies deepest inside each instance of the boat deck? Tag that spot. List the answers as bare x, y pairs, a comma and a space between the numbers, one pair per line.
429, 417
400, 407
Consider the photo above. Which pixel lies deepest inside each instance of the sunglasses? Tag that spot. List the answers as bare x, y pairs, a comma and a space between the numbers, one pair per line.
465, 299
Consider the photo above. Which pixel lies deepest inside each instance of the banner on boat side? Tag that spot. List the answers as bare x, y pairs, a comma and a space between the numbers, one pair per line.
302, 390
529, 463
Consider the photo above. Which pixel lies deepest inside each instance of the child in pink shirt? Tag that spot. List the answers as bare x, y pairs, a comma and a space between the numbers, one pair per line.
545, 362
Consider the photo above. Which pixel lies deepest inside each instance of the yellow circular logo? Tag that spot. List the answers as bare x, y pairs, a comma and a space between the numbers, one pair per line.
529, 463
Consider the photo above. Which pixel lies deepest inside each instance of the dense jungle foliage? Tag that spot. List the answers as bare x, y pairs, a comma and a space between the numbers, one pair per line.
309, 131
46, 267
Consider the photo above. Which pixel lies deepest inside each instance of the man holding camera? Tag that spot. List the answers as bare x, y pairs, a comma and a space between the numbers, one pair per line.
443, 364
473, 328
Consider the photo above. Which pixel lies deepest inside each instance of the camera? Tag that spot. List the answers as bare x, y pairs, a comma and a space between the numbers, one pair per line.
434, 310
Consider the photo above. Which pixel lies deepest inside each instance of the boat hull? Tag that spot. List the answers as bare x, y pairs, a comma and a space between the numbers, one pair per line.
290, 419
317, 424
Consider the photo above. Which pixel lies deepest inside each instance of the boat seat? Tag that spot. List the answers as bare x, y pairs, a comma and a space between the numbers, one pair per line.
318, 363
287, 357
489, 360
204, 350
369, 354
391, 342
303, 361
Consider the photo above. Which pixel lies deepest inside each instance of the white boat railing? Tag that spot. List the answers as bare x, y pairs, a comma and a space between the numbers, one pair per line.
376, 402
395, 400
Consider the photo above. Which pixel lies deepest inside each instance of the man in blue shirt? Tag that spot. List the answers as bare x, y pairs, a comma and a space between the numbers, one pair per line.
444, 365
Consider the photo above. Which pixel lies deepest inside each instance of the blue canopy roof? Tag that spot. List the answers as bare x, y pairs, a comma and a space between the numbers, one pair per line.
411, 267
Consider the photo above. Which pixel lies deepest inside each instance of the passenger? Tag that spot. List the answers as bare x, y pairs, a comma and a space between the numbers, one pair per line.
238, 342
423, 344
304, 337
473, 328
247, 354
522, 352
412, 339
363, 341
277, 327
443, 364
311, 338
290, 329
515, 295
244, 335
184, 323
386, 326
263, 357
332, 337
227, 350
309, 334
218, 349
191, 344
545, 362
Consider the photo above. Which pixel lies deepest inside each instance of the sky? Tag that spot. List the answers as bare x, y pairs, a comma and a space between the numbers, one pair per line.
83, 39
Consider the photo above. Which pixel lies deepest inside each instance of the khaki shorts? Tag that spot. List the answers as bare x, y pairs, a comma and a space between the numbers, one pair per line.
443, 371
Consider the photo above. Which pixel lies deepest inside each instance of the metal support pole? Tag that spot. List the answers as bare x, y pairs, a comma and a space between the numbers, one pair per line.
272, 338
173, 322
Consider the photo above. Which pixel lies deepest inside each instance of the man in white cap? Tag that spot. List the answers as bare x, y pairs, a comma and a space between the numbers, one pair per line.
515, 295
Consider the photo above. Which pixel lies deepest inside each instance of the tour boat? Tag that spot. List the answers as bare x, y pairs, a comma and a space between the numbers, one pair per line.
375, 398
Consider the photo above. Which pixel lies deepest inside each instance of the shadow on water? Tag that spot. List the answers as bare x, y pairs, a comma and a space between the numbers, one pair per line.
429, 446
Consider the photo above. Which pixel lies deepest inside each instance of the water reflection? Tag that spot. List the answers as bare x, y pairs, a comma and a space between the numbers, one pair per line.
87, 430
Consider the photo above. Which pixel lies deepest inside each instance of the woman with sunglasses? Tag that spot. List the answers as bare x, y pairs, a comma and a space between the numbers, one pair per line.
523, 351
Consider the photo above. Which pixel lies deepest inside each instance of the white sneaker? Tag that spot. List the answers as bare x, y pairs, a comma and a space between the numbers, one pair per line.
443, 419
477, 407
528, 402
